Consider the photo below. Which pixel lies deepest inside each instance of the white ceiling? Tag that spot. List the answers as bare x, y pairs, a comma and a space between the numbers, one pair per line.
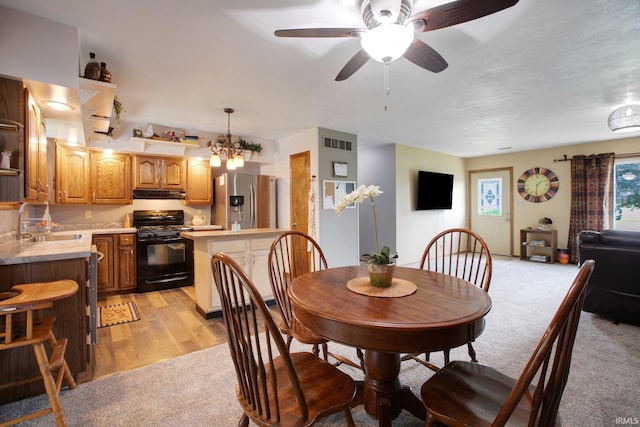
542, 73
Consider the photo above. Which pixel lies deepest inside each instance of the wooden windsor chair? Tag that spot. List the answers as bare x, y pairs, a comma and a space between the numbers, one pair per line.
293, 254
462, 253
470, 394
275, 387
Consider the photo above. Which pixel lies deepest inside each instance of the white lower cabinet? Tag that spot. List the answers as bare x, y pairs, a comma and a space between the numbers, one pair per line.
250, 251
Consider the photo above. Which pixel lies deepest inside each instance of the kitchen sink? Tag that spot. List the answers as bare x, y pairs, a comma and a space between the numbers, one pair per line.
54, 237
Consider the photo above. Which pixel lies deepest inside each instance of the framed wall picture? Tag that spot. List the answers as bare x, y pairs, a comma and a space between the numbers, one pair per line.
333, 191
340, 169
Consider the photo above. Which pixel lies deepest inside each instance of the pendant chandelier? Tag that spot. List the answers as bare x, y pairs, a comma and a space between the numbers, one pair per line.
223, 147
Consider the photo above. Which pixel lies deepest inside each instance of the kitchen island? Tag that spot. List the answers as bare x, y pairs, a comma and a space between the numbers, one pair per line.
65, 255
249, 248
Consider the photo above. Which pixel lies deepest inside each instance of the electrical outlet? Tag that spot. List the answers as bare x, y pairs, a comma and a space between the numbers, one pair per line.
87, 214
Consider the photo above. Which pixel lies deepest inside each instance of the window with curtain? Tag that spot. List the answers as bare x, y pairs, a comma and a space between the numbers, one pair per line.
592, 197
627, 193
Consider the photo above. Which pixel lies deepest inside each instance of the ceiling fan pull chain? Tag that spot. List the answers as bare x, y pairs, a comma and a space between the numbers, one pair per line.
386, 83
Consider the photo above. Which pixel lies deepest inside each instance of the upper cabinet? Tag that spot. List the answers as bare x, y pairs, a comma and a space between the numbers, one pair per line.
160, 173
72, 175
36, 176
199, 183
96, 100
110, 178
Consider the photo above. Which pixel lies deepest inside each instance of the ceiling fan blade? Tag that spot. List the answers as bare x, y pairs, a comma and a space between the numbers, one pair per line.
458, 12
425, 56
354, 64
321, 32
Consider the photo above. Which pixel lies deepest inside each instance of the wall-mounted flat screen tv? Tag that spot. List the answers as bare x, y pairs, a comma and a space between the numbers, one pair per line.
435, 191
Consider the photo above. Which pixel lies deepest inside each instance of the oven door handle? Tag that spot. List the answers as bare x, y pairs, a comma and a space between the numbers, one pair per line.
161, 240
173, 279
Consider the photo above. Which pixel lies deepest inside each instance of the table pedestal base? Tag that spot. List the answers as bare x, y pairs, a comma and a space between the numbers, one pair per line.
381, 393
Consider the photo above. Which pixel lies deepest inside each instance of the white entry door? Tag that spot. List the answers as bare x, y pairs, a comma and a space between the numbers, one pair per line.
490, 206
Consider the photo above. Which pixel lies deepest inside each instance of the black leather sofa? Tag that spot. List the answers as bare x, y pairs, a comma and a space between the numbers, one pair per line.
613, 290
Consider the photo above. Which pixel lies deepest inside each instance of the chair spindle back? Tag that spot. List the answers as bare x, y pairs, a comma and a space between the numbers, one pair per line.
246, 316
459, 252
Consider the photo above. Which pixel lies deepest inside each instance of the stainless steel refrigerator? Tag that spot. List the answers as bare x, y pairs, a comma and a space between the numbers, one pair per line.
244, 201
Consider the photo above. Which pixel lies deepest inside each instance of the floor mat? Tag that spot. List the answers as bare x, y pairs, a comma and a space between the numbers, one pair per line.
117, 314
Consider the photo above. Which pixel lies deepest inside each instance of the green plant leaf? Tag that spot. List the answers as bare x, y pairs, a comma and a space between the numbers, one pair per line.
382, 257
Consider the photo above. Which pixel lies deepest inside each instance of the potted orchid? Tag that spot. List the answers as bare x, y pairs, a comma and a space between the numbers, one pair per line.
381, 261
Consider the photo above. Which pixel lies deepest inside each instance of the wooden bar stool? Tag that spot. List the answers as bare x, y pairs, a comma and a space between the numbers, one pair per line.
22, 322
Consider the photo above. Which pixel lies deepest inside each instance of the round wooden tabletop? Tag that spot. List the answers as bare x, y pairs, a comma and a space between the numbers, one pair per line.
444, 312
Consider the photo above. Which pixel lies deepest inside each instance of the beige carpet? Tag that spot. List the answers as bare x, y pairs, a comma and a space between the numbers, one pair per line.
198, 389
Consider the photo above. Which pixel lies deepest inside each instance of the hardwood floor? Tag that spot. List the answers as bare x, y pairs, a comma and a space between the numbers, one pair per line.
169, 326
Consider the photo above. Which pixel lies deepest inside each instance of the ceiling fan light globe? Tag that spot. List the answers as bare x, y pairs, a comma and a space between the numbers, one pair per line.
386, 43
625, 119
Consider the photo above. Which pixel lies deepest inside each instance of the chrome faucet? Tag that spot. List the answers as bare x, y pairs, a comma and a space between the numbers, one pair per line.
23, 223
23, 228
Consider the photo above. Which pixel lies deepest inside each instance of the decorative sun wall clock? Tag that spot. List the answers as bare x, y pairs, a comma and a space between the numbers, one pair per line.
538, 185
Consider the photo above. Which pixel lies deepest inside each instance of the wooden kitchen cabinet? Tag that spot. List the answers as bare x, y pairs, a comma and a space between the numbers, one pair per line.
166, 173
126, 262
105, 244
199, 183
117, 270
72, 175
110, 178
36, 177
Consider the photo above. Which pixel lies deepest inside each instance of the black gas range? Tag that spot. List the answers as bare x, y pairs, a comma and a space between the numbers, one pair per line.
164, 259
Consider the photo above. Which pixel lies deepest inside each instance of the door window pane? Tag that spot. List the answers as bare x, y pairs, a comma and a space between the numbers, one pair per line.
627, 194
490, 197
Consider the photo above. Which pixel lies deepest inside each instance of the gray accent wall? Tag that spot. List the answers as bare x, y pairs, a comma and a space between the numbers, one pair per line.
338, 235
377, 166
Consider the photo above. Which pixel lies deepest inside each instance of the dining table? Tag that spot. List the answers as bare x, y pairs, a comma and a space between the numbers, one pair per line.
442, 312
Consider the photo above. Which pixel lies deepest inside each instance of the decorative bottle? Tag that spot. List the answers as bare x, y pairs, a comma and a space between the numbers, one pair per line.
92, 69
105, 75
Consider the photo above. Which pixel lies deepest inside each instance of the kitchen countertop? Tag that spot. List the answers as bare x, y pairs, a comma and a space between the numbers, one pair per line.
193, 235
26, 252
206, 227
16, 252
123, 230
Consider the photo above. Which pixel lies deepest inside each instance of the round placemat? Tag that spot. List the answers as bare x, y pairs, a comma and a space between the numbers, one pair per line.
398, 288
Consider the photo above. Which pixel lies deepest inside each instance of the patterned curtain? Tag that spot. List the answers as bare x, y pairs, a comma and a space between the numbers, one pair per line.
592, 182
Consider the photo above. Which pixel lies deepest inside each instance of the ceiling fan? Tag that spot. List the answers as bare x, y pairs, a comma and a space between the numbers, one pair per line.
390, 28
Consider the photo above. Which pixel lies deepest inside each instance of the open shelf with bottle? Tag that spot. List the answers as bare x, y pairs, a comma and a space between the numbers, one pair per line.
538, 245
96, 101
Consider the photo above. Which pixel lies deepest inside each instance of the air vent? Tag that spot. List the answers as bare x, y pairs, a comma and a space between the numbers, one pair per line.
337, 144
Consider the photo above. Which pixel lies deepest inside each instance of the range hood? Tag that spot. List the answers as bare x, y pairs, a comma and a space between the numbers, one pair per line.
159, 194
